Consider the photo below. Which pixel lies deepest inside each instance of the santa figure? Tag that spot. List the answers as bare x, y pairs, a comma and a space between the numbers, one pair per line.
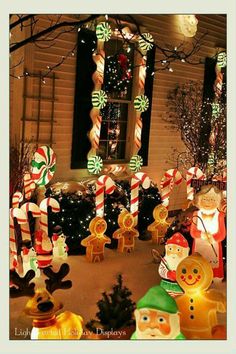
157, 316
208, 228
176, 249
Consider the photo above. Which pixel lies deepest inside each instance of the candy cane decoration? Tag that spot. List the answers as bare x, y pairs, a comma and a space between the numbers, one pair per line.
171, 177
142, 75
137, 179
21, 219
25, 228
16, 199
106, 185
29, 185
193, 172
45, 203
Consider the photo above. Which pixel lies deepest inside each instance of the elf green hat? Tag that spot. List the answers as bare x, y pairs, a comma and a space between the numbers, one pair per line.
157, 298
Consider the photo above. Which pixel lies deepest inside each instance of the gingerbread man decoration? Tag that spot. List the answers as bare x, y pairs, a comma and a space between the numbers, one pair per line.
95, 243
198, 306
126, 233
159, 227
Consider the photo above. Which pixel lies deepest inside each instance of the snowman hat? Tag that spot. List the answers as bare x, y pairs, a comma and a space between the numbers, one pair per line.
178, 239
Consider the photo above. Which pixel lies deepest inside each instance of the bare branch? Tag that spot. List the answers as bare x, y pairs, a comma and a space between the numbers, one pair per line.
20, 21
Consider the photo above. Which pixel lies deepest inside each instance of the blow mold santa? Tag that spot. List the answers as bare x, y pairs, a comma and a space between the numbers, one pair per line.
176, 249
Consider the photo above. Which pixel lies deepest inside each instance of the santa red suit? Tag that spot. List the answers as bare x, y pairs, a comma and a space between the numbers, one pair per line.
215, 226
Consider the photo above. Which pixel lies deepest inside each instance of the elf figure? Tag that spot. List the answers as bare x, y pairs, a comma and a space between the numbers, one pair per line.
126, 233
208, 228
60, 247
157, 316
43, 248
29, 259
95, 243
176, 249
198, 305
159, 227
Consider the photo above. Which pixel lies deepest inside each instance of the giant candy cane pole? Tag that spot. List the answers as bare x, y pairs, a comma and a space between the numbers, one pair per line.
16, 199
171, 177
136, 180
25, 228
106, 185
29, 185
45, 203
21, 219
193, 172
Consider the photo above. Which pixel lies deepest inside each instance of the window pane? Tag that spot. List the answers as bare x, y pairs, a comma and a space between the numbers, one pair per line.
118, 69
113, 131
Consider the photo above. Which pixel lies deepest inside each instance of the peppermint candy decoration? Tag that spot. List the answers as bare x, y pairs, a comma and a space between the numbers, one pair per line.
222, 59
95, 165
143, 44
43, 165
103, 31
136, 162
99, 99
141, 103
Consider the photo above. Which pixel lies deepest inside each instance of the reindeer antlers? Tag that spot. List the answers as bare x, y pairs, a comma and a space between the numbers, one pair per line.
54, 280
21, 285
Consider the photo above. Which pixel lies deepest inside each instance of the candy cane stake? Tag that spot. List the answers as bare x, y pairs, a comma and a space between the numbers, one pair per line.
29, 185
106, 185
25, 228
136, 180
171, 177
45, 203
16, 199
193, 172
21, 219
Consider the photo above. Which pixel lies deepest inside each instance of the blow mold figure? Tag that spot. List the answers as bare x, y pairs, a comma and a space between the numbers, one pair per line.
159, 227
126, 234
198, 305
157, 316
95, 243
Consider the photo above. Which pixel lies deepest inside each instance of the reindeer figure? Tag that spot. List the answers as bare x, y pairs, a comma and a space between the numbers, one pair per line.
42, 306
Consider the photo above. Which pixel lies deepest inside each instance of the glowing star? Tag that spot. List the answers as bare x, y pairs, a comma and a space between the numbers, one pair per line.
159, 227
176, 249
208, 228
157, 316
95, 243
126, 233
198, 306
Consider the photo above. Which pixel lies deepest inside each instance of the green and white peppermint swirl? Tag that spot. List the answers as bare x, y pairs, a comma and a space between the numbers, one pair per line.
222, 60
99, 99
136, 163
103, 31
144, 41
94, 165
141, 103
43, 165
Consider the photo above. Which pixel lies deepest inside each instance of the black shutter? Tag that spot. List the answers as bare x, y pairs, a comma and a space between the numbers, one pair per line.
146, 116
82, 123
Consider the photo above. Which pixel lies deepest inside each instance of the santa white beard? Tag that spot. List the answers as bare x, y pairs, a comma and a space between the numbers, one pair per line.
208, 212
173, 261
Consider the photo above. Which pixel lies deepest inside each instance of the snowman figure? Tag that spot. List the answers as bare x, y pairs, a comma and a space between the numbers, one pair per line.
29, 259
60, 247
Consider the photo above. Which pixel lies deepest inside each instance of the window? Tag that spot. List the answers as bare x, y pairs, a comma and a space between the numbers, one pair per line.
118, 116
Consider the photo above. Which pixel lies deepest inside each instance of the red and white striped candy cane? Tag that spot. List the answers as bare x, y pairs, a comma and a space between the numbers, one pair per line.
16, 199
21, 219
138, 132
142, 74
106, 185
25, 228
94, 134
29, 185
45, 203
193, 172
171, 177
137, 179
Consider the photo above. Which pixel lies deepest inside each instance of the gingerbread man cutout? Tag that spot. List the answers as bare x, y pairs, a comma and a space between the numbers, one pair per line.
95, 243
159, 227
198, 305
126, 233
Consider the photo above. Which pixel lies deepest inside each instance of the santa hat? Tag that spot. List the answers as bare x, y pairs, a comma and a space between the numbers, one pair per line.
177, 239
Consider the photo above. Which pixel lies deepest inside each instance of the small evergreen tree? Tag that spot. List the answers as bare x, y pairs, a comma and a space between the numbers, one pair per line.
115, 309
